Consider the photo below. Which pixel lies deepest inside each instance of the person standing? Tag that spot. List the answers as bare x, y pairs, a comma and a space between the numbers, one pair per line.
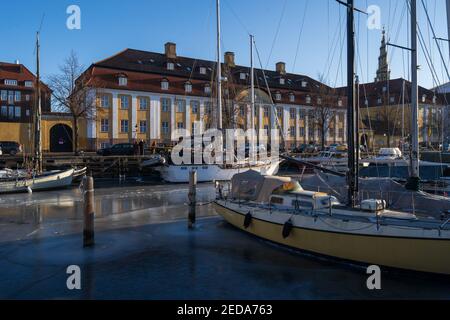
141, 147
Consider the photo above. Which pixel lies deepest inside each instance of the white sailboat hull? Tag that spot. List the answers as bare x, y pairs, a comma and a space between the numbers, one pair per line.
50, 181
209, 173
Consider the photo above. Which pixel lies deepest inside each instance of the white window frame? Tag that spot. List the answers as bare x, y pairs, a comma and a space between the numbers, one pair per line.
10, 82
123, 81
165, 85
170, 66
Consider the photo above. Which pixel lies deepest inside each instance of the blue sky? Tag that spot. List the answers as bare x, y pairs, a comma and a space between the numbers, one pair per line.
109, 26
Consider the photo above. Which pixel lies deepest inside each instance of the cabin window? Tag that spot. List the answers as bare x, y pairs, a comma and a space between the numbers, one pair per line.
301, 204
276, 200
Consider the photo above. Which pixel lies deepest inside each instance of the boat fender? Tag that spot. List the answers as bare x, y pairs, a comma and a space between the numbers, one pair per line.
287, 228
247, 220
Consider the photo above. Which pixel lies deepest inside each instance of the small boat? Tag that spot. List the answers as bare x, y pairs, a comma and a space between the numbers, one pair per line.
212, 172
280, 210
78, 174
46, 181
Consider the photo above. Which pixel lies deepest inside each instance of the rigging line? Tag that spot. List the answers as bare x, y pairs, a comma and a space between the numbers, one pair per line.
435, 38
300, 35
276, 34
237, 17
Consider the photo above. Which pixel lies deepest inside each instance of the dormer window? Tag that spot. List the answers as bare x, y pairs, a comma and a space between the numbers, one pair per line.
164, 84
304, 84
188, 87
308, 99
207, 89
379, 100
278, 96
366, 102
434, 99
10, 82
392, 99
123, 81
291, 97
384, 89
243, 76
170, 66
282, 81
339, 102
29, 84
202, 70
424, 98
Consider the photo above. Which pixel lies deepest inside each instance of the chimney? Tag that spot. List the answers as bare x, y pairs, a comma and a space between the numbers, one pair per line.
229, 59
281, 67
17, 61
170, 50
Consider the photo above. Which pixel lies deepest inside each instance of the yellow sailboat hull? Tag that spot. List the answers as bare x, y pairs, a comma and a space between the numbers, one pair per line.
415, 254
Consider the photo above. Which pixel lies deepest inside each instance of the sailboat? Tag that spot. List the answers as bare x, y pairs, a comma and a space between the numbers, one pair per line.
279, 210
224, 172
37, 180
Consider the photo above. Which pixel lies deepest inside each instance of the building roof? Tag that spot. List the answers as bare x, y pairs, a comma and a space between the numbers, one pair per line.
17, 72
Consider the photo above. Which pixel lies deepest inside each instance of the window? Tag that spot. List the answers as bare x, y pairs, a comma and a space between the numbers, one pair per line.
170, 66
4, 111
292, 97
10, 96
282, 81
207, 89
424, 98
180, 125
17, 112
379, 100
164, 85
143, 103
280, 113
10, 82
202, 70
392, 99
124, 102
165, 105
17, 96
292, 131
243, 76
292, 112
11, 112
143, 126
308, 99
278, 96
4, 95
242, 111
340, 103
104, 101
302, 131
27, 112
29, 84
208, 108
27, 97
165, 127
181, 106
194, 106
302, 114
104, 125
188, 87
123, 81
304, 84
124, 126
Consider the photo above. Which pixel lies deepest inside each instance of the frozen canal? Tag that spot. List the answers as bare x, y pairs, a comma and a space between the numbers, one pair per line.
145, 251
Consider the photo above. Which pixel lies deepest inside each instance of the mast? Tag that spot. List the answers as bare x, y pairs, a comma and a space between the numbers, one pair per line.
413, 181
252, 84
448, 23
37, 134
352, 178
219, 70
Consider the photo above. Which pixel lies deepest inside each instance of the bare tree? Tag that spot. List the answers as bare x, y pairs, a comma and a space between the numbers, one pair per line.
324, 108
73, 94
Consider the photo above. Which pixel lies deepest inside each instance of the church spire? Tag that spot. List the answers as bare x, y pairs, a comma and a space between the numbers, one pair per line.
383, 72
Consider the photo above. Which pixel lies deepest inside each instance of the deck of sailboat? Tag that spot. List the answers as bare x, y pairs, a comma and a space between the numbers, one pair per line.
338, 215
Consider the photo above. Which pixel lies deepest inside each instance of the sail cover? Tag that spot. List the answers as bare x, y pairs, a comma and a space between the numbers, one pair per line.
252, 186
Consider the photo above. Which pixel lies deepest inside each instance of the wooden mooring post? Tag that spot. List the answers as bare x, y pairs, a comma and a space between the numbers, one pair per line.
192, 196
88, 226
